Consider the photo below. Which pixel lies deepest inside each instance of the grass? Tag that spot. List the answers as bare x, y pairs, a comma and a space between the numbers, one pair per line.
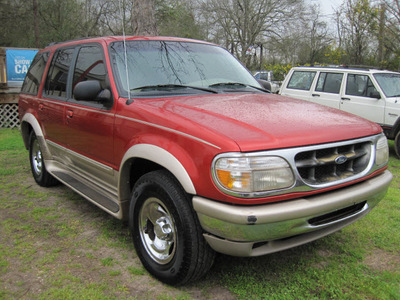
56, 245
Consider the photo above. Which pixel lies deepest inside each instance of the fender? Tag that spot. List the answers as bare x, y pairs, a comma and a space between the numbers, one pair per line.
30, 119
159, 156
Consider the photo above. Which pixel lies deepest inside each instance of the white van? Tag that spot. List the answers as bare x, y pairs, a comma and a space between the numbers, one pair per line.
372, 94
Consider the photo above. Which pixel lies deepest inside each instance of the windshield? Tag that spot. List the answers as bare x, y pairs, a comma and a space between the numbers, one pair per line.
166, 63
389, 83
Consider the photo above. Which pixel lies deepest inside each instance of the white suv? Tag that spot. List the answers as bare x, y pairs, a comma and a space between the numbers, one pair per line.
372, 94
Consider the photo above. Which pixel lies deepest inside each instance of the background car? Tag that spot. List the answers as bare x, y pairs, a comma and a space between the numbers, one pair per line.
368, 93
269, 77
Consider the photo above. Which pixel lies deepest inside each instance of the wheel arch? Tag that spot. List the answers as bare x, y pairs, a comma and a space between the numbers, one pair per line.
29, 123
143, 158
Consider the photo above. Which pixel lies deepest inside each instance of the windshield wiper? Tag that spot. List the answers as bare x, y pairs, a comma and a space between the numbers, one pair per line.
173, 86
238, 84
228, 84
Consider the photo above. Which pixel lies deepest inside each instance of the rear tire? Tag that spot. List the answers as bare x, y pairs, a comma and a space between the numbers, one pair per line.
397, 144
165, 230
38, 168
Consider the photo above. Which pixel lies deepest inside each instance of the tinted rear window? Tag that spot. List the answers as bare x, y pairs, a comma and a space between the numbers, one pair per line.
34, 76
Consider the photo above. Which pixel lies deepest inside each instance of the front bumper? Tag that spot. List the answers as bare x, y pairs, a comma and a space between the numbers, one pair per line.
262, 229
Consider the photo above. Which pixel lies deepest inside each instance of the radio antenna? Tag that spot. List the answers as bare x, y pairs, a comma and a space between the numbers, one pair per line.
130, 100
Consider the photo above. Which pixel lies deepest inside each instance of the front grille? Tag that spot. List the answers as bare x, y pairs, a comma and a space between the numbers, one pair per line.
328, 165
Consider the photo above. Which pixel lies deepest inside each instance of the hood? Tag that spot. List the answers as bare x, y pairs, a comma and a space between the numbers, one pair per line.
266, 121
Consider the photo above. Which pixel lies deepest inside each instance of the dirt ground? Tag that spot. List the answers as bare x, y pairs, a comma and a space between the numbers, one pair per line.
55, 244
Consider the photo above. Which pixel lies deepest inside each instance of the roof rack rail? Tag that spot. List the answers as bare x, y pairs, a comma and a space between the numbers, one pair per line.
58, 43
362, 67
344, 66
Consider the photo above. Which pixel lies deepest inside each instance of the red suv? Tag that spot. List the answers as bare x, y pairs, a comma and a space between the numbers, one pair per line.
177, 137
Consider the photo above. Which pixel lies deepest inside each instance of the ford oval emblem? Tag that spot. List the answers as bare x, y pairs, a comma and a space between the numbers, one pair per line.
340, 159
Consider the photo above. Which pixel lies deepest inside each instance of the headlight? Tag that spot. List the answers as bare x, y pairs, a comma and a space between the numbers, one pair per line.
246, 174
382, 151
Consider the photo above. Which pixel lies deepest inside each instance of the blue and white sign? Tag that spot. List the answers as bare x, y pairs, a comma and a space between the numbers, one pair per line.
18, 62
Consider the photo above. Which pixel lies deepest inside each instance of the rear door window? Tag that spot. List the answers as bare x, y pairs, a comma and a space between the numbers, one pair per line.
301, 80
56, 81
329, 82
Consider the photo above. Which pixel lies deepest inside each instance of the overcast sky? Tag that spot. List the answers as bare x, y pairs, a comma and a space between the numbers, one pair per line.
328, 6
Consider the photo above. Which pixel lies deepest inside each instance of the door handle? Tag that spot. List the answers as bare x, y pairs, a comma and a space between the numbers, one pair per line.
316, 95
70, 114
346, 99
41, 107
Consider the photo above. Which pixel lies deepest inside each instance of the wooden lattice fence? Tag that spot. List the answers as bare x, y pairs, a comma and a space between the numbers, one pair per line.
9, 115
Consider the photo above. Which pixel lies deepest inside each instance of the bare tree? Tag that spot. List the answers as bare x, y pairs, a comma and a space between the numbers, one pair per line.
94, 10
315, 38
303, 40
143, 18
357, 22
245, 23
36, 23
390, 17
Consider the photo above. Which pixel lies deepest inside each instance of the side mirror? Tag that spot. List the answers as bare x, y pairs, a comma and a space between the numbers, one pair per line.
87, 90
265, 84
375, 94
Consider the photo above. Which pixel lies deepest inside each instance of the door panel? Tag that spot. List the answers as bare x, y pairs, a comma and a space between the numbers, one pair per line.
90, 133
327, 90
51, 108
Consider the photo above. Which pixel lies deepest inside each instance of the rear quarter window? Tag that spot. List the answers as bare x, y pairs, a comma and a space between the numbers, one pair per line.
35, 74
301, 80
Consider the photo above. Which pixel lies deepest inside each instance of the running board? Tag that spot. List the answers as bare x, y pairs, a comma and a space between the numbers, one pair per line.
86, 191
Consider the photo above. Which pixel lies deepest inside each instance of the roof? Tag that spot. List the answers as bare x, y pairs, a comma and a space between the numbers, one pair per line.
110, 39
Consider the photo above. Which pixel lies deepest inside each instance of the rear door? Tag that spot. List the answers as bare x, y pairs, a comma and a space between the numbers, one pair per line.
51, 108
359, 98
90, 124
327, 89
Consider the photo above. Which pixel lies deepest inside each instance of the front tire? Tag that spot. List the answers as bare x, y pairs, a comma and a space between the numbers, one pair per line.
38, 168
165, 230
